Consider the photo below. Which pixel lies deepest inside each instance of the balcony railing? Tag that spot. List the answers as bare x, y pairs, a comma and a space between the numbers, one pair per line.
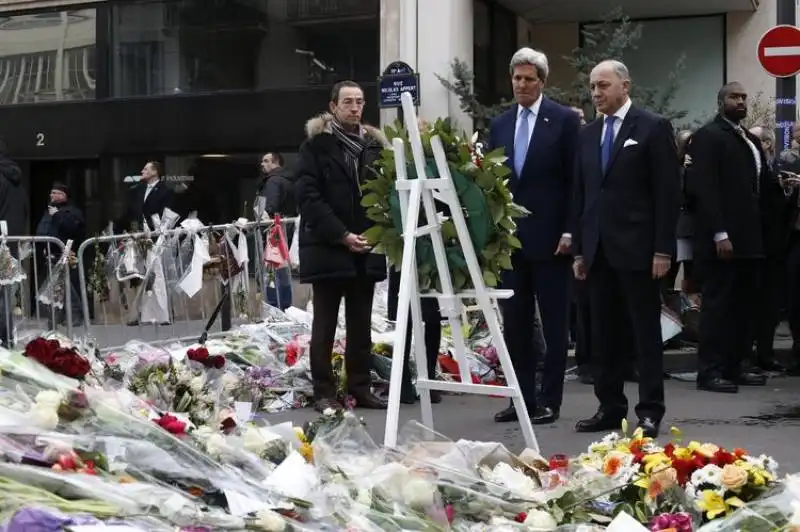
313, 10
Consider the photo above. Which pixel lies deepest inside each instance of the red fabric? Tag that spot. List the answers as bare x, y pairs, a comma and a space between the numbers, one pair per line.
276, 252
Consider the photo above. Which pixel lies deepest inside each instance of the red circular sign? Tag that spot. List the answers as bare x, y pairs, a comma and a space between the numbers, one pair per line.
779, 51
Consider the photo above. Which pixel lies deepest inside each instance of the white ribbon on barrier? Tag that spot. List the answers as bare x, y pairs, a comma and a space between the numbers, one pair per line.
192, 281
240, 250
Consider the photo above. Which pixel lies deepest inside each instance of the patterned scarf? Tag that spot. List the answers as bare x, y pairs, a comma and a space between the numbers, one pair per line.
352, 146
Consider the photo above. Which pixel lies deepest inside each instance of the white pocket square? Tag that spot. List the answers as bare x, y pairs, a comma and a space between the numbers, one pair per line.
629, 142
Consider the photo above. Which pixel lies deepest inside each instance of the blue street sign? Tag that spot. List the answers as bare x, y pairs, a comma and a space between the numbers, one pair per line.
397, 78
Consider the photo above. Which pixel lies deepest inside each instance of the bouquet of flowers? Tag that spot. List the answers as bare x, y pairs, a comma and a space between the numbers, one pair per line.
54, 289
62, 360
10, 270
130, 261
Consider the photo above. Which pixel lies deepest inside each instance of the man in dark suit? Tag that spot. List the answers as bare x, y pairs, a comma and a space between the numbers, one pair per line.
151, 196
627, 199
539, 137
729, 181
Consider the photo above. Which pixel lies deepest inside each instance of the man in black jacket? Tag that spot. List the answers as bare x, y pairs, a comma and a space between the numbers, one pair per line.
627, 204
275, 195
14, 211
728, 179
334, 162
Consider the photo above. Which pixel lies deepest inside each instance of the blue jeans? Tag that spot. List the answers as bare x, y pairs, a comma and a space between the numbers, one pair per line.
279, 295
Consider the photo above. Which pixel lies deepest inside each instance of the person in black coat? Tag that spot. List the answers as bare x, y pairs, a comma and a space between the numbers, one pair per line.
627, 204
334, 161
727, 180
150, 196
14, 210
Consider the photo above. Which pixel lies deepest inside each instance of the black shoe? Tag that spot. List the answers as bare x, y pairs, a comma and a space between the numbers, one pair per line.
436, 397
772, 366
585, 377
506, 416
544, 415
600, 422
649, 426
718, 385
369, 401
752, 379
321, 405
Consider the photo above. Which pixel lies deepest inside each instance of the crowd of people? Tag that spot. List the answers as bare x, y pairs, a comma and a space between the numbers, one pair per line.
618, 205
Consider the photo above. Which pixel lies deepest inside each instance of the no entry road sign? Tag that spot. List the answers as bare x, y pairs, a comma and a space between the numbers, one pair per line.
779, 51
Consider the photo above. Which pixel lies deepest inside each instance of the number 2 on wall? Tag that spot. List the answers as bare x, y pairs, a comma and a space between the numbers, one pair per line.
40, 139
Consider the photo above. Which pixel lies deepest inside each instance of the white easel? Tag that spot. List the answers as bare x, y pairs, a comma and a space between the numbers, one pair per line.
413, 193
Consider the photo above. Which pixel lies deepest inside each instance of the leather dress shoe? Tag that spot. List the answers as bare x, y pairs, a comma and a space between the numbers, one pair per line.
752, 379
544, 415
600, 422
506, 416
370, 402
718, 385
649, 426
771, 365
321, 405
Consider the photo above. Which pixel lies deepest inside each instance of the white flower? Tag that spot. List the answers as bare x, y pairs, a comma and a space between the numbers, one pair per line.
710, 474
270, 521
197, 384
540, 520
766, 462
204, 432
795, 520
254, 442
216, 445
229, 381
514, 480
44, 417
49, 398
329, 412
419, 493
364, 497
474, 138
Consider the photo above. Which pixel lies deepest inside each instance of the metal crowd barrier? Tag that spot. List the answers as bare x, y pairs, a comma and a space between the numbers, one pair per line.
120, 311
22, 313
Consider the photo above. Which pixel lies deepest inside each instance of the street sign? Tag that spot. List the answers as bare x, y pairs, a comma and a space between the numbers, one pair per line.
779, 51
397, 78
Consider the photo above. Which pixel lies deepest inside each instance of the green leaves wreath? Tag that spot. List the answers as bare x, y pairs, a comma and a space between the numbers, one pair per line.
481, 184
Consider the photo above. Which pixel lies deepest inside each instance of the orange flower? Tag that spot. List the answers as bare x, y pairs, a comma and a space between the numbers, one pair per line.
612, 466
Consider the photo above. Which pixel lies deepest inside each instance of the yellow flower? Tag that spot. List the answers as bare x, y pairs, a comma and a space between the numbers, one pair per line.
684, 453
301, 435
712, 504
307, 452
655, 462
708, 449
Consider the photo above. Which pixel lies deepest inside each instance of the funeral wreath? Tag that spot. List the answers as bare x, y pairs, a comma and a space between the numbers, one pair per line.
481, 183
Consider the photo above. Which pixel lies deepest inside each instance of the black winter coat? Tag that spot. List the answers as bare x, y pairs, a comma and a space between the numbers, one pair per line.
329, 201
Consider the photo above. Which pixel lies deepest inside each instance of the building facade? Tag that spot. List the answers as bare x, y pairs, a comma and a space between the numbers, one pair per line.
90, 92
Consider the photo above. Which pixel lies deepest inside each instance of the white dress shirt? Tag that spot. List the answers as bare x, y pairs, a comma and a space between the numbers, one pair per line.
534, 113
150, 187
621, 113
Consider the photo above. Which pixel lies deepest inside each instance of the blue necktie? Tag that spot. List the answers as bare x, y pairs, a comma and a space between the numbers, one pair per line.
608, 142
521, 142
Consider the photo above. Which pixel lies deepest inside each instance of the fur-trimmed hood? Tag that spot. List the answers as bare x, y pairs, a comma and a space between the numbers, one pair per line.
321, 124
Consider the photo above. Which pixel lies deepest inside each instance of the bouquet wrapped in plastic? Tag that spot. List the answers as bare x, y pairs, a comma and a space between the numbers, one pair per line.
11, 271
192, 256
128, 261
53, 292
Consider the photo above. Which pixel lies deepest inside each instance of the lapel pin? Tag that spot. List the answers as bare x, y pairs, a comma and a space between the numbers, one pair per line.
546, 119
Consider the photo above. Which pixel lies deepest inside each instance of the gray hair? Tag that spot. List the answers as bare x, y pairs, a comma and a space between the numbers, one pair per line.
618, 67
529, 56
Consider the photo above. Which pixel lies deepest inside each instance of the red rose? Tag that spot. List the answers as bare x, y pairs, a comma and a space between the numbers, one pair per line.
171, 424
218, 361
227, 425
41, 350
521, 517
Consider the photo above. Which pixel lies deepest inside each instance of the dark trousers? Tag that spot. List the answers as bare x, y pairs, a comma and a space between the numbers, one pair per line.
729, 294
432, 320
793, 282
583, 336
771, 286
357, 294
548, 283
616, 296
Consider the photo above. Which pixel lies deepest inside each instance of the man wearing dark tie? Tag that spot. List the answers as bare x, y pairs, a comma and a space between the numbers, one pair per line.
539, 137
627, 199
151, 196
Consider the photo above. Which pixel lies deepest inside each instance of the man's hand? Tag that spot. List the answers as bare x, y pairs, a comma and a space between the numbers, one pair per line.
356, 243
52, 210
564, 245
661, 266
579, 268
687, 161
724, 249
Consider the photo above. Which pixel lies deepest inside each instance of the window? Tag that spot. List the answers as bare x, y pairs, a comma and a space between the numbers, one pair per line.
195, 46
48, 57
495, 41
